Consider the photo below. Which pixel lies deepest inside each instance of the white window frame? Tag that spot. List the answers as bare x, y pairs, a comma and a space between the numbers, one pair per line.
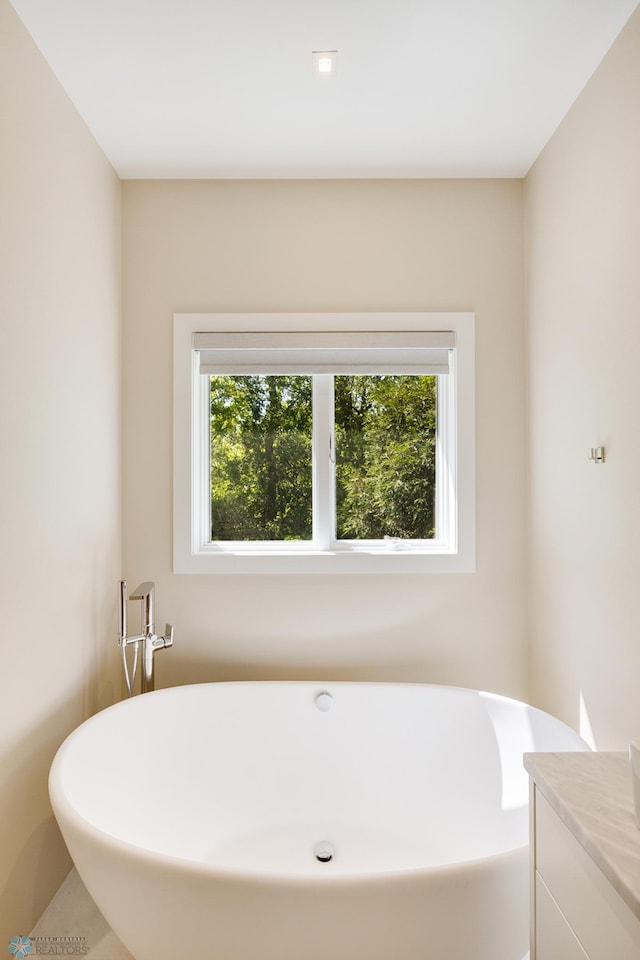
192, 551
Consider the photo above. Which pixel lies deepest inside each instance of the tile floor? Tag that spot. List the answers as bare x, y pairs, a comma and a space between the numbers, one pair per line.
72, 913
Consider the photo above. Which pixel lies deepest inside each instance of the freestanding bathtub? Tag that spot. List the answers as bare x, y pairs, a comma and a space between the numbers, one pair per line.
306, 821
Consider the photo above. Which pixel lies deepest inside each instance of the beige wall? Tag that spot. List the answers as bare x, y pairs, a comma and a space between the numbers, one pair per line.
583, 240
59, 431
323, 246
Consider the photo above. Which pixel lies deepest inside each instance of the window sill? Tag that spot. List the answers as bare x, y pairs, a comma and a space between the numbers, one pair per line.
315, 562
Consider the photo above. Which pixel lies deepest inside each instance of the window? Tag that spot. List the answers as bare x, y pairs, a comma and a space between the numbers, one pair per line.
323, 443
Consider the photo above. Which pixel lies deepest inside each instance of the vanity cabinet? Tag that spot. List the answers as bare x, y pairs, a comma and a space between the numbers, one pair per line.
585, 860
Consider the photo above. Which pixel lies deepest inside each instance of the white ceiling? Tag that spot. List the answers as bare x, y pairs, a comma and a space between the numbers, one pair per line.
224, 88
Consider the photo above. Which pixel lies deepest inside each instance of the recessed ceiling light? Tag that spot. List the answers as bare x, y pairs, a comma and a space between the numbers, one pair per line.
324, 62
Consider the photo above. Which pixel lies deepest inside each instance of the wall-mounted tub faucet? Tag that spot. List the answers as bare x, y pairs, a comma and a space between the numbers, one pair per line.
147, 636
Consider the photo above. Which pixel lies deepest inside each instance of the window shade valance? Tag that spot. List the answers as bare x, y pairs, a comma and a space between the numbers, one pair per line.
394, 352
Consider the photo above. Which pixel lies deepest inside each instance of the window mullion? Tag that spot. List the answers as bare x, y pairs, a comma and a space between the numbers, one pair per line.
323, 468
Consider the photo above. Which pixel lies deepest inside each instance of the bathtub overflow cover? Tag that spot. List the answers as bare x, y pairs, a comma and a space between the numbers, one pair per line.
324, 701
323, 852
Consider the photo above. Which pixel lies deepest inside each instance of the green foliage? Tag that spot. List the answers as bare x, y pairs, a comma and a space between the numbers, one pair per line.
261, 457
261, 482
386, 457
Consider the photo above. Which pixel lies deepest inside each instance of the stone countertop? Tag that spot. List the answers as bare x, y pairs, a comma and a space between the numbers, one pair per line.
592, 794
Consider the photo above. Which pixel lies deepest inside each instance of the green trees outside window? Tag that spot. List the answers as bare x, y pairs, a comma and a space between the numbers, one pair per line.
385, 457
261, 431
261, 457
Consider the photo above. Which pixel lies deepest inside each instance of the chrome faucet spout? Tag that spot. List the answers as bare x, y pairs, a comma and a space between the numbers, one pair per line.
146, 592
143, 590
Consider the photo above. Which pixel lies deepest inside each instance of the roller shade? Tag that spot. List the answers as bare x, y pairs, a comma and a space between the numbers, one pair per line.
404, 352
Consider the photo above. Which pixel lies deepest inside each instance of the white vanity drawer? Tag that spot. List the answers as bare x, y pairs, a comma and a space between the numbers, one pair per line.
555, 939
602, 922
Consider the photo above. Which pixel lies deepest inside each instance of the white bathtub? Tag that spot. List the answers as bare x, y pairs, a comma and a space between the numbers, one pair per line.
193, 814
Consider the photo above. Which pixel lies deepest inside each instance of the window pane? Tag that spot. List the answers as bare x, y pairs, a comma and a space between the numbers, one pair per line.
385, 457
261, 475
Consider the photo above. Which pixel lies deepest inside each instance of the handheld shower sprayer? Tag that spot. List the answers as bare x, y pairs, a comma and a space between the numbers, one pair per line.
124, 640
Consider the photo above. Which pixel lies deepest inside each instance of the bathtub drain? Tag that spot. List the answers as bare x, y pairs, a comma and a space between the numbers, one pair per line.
323, 852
